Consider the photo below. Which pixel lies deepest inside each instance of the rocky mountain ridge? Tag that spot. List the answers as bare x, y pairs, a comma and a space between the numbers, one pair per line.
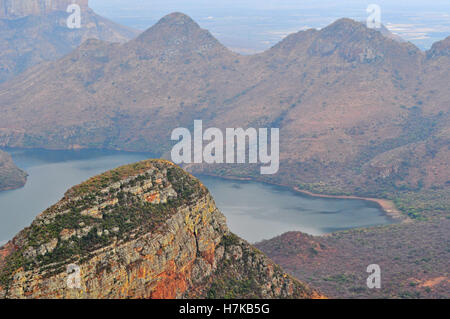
359, 113
146, 230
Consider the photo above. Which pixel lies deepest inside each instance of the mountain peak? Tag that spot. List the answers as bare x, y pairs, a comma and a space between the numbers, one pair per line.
145, 230
348, 26
354, 41
344, 26
344, 22
178, 32
440, 48
172, 25
177, 18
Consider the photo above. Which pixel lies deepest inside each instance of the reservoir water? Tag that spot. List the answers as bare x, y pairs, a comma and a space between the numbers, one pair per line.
257, 211
254, 211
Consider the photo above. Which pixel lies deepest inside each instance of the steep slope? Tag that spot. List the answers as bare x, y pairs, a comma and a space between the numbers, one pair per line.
359, 113
146, 230
101, 92
387, 33
10, 175
33, 31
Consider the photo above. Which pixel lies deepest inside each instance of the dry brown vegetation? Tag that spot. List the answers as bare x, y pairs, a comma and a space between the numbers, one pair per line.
359, 114
413, 257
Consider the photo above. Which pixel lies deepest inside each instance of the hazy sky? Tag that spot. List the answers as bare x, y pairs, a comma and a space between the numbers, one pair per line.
250, 26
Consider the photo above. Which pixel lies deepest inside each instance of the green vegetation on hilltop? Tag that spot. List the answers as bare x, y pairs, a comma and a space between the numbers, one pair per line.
124, 219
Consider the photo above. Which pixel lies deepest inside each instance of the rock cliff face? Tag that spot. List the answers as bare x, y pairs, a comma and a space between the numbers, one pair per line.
35, 31
10, 175
147, 230
22, 8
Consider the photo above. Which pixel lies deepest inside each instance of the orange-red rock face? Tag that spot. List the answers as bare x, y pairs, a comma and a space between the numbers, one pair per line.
131, 248
6, 251
157, 265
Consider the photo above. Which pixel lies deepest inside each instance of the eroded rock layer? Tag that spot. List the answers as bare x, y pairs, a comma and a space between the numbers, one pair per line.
147, 230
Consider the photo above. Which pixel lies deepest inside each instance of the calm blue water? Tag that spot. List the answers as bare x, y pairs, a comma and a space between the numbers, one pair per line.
254, 211
257, 211
51, 174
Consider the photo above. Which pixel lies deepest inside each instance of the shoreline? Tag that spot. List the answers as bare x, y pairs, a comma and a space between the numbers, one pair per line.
12, 188
386, 205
